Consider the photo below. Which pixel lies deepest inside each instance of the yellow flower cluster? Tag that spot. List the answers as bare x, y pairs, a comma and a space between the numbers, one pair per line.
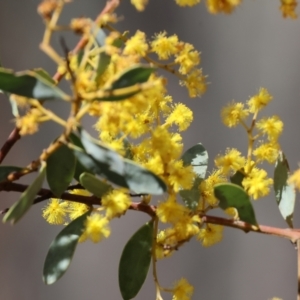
115, 204
288, 8
268, 130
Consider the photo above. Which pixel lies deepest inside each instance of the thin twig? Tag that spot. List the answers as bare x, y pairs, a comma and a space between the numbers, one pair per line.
12, 139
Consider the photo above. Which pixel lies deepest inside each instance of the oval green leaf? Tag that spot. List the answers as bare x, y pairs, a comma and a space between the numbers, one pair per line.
135, 261
107, 163
131, 76
31, 83
237, 178
62, 249
284, 192
6, 170
60, 169
232, 195
142, 181
16, 212
94, 185
197, 157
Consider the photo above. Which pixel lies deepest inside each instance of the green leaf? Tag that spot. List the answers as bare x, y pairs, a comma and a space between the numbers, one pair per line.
60, 169
284, 192
104, 61
62, 249
232, 195
6, 170
135, 261
107, 163
142, 181
31, 83
79, 169
191, 197
237, 178
94, 185
16, 212
131, 76
197, 157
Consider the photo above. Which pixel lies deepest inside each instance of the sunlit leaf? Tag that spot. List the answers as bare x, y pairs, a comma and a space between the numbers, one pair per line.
6, 170
197, 157
94, 185
18, 210
232, 195
135, 261
62, 249
284, 192
31, 83
60, 169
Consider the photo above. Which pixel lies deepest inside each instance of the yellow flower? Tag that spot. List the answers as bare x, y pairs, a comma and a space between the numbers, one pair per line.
181, 116
233, 113
225, 6
288, 8
116, 203
267, 151
96, 228
139, 4
272, 127
180, 176
137, 44
231, 161
195, 83
170, 211
257, 184
55, 211
295, 179
210, 235
28, 124
182, 290
259, 101
164, 46
187, 2
188, 58
77, 209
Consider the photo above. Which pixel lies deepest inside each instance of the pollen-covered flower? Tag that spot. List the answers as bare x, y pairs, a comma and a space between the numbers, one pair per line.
231, 161
257, 184
295, 179
288, 8
210, 235
137, 44
170, 211
28, 124
233, 113
164, 46
181, 115
180, 176
182, 290
272, 127
96, 228
115, 203
195, 83
55, 211
259, 101
187, 2
225, 6
267, 151
139, 4
188, 58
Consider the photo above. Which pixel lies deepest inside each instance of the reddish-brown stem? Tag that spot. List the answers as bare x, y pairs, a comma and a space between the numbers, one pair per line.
292, 234
11, 140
